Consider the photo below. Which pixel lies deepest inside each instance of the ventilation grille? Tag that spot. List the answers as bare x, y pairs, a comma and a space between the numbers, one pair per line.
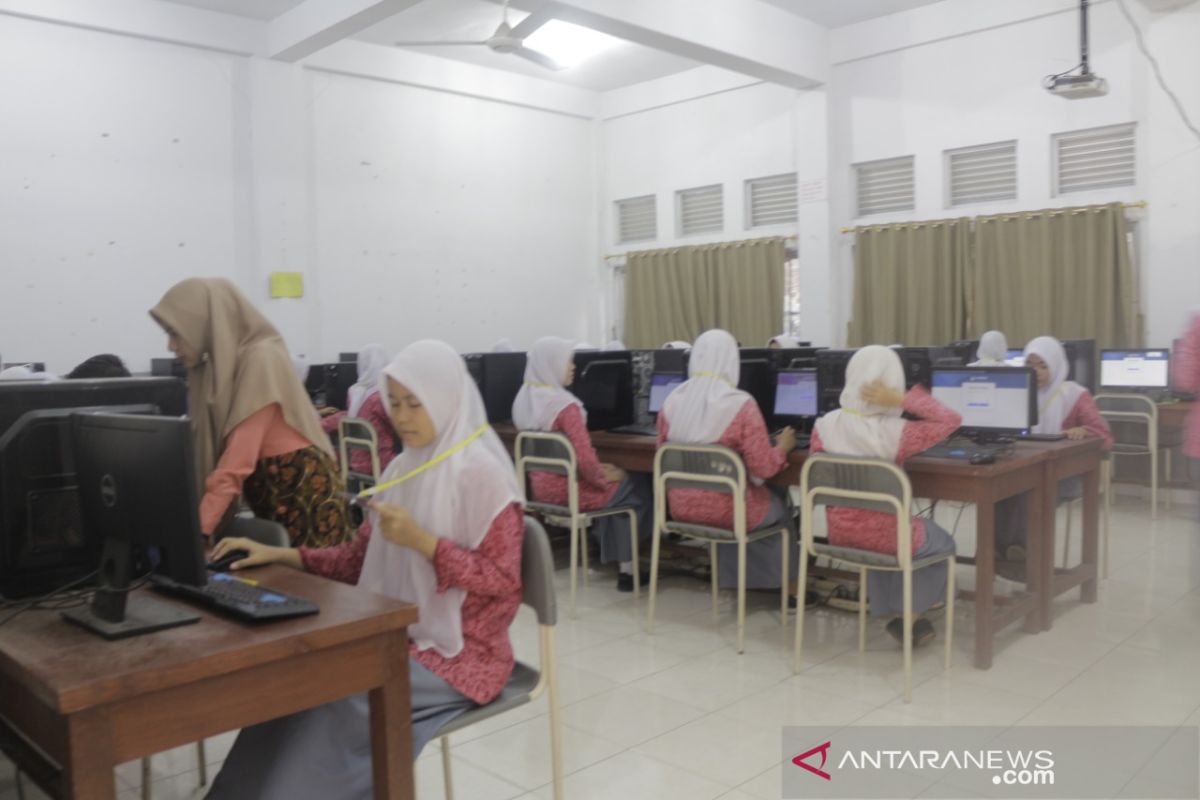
701, 210
883, 186
771, 201
637, 219
1099, 158
982, 174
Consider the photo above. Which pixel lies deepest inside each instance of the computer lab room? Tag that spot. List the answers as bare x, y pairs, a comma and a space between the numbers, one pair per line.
599, 399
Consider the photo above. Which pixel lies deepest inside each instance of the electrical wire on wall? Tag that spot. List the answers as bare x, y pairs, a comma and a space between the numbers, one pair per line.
1141, 43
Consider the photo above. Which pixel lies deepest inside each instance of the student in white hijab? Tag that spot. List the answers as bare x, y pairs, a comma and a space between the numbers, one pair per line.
993, 350
708, 408
24, 372
615, 345
544, 404
585, 346
1063, 407
677, 344
364, 400
503, 346
869, 424
444, 533
783, 342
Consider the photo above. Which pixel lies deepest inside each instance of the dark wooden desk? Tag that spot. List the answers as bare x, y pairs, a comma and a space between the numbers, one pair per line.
1027, 469
91, 704
1066, 460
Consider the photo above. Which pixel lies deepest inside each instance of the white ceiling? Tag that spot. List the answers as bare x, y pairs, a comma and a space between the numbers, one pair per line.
625, 65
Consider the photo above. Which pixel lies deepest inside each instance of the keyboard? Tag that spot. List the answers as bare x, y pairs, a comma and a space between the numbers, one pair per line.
1042, 437
240, 597
636, 430
964, 451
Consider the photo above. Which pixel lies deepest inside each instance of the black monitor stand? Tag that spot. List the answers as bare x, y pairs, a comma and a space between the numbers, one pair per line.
113, 613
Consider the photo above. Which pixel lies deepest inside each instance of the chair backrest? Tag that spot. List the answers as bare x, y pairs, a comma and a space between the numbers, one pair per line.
699, 466
541, 451
356, 432
537, 573
861, 483
1132, 417
263, 531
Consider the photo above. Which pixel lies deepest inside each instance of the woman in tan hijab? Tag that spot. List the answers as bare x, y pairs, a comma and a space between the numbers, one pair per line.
256, 433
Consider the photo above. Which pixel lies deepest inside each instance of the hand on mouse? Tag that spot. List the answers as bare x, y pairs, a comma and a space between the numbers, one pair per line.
256, 554
785, 440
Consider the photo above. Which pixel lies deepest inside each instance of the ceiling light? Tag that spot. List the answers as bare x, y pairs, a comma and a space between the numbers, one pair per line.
569, 44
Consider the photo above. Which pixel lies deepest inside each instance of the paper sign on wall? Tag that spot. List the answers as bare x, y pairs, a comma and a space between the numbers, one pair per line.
287, 284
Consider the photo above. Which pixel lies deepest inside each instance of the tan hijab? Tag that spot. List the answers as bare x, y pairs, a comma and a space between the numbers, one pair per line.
244, 366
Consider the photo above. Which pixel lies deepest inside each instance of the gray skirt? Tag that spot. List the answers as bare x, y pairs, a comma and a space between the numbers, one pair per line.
612, 533
885, 590
325, 752
764, 558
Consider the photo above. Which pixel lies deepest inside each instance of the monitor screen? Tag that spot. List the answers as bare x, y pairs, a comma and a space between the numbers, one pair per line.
1148, 369
989, 399
796, 394
757, 379
1015, 358
661, 386
604, 383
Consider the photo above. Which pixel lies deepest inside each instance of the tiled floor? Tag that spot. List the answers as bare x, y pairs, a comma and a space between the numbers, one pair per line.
679, 714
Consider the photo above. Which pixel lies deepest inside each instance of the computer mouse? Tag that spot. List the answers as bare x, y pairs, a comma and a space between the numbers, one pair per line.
223, 563
982, 458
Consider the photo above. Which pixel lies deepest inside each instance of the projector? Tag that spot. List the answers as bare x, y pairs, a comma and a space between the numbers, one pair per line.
1075, 87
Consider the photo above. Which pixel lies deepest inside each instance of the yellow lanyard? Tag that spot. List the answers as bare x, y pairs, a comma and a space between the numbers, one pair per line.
1051, 399
427, 465
713, 375
537, 385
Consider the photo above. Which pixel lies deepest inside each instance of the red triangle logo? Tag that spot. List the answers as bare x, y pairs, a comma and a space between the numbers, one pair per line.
820, 772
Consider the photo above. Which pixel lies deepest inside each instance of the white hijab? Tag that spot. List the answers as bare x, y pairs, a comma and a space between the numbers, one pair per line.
300, 364
1060, 395
615, 345
858, 428
456, 499
542, 397
371, 361
586, 346
704, 405
785, 341
682, 345
24, 372
993, 350
503, 346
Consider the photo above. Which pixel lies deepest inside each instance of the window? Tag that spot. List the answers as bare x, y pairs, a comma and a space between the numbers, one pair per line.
771, 201
1097, 158
637, 219
700, 210
883, 186
982, 174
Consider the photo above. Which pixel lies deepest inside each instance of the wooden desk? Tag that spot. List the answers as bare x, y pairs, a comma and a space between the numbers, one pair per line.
91, 704
1065, 460
1027, 469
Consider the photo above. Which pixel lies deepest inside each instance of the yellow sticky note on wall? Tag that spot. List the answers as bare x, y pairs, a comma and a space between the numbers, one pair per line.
287, 284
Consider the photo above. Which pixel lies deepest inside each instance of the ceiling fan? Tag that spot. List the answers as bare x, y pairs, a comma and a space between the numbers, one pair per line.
506, 39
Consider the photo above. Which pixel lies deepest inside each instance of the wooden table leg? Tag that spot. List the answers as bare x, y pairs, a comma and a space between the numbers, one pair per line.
1034, 578
1091, 532
391, 726
1049, 531
985, 572
88, 771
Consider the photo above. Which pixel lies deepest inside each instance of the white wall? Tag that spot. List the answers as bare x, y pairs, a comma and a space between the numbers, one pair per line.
130, 164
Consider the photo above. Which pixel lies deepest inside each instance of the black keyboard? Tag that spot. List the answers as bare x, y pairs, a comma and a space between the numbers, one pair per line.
637, 430
239, 597
962, 451
1042, 437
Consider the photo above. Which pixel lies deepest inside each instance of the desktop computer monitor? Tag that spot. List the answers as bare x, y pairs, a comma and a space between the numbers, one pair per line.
1135, 369
831, 378
965, 349
338, 380
1015, 358
1081, 356
169, 395
314, 383
137, 492
348, 358
756, 377
992, 400
795, 397
499, 377
671, 361
918, 365
604, 384
36, 366
167, 368
661, 386
794, 358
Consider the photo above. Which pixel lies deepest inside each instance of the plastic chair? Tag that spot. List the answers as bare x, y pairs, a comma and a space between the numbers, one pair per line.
553, 452
527, 683
354, 432
873, 485
711, 468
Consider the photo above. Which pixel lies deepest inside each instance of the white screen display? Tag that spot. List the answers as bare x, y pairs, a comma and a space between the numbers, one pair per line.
985, 398
1134, 369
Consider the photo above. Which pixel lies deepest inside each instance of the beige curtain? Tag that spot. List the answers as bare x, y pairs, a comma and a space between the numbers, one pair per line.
1063, 272
681, 292
909, 283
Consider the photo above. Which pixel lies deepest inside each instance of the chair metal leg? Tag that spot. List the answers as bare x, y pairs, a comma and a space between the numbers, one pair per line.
147, 784
908, 644
202, 759
20, 785
637, 566
783, 584
862, 609
551, 666
803, 581
654, 548
1167, 465
1154, 483
584, 531
714, 579
741, 597
447, 777
1066, 555
574, 562
1107, 468
949, 611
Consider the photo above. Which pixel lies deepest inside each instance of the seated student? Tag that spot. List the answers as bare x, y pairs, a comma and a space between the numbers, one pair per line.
365, 400
543, 404
585, 347
677, 344
1063, 407
446, 538
615, 345
783, 342
992, 352
708, 408
503, 346
254, 430
869, 424
105, 365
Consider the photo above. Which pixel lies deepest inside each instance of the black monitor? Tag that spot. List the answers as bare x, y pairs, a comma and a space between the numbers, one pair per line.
604, 384
314, 383
661, 386
1081, 356
499, 377
338, 380
993, 401
137, 492
36, 366
795, 358
831, 378
348, 358
1135, 369
757, 378
671, 361
965, 349
167, 368
918, 365
795, 398
18, 397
